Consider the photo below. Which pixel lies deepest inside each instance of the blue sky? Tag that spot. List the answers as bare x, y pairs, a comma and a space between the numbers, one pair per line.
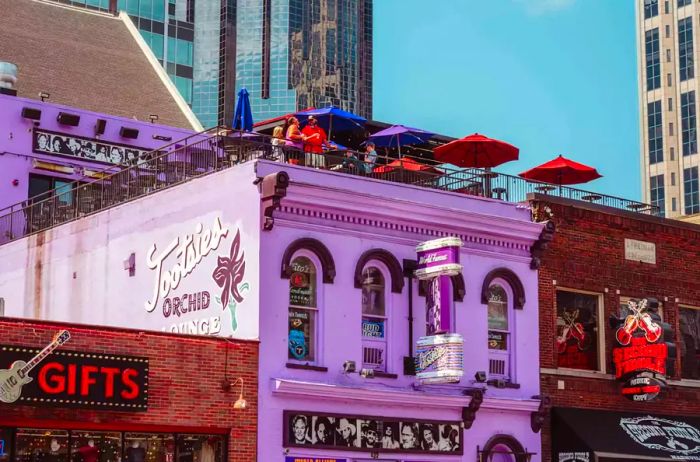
549, 76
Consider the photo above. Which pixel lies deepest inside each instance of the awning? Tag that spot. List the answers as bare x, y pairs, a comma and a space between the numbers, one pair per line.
580, 435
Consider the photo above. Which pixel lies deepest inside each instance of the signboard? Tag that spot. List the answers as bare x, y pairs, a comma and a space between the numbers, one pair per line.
366, 433
679, 439
372, 328
639, 360
82, 379
438, 257
574, 457
440, 359
313, 459
640, 251
46, 142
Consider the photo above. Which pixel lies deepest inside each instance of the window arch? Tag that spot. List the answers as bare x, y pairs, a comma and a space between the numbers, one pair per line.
500, 330
376, 301
513, 282
304, 316
318, 249
504, 448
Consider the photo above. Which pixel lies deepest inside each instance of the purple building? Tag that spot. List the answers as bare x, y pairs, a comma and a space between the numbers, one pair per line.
320, 267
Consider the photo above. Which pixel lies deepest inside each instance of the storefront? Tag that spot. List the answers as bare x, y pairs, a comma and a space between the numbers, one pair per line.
99, 395
580, 435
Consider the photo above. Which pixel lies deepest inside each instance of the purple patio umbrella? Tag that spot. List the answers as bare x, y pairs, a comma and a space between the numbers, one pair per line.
398, 135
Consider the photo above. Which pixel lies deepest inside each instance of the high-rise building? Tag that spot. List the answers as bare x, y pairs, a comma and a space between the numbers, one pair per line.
294, 54
668, 94
289, 54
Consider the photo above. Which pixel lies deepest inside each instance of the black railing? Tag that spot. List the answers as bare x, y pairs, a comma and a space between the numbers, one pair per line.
219, 149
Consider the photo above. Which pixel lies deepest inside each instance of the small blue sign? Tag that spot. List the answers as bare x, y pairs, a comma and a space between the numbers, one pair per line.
373, 329
313, 459
2, 448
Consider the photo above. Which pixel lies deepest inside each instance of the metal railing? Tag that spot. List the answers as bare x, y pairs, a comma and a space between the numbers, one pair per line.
218, 149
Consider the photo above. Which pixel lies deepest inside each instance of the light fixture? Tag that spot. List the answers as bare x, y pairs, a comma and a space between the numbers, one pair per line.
153, 118
480, 376
240, 403
367, 373
349, 367
44, 96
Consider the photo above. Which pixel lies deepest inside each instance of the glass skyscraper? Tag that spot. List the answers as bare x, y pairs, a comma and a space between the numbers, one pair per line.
289, 54
294, 54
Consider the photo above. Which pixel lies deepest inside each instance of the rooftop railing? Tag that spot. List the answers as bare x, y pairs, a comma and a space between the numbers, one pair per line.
219, 149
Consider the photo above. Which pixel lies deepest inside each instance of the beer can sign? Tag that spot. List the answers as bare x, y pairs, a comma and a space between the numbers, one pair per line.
440, 359
439, 257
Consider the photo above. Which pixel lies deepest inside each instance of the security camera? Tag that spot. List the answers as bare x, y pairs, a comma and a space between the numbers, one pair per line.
480, 376
348, 367
367, 373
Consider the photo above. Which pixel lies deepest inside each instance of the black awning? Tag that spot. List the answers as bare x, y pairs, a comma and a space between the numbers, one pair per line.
583, 435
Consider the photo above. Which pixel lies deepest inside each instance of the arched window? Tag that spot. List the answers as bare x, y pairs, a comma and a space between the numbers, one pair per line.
374, 319
499, 325
303, 310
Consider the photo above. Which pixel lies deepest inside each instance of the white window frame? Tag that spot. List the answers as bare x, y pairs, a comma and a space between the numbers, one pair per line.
318, 310
602, 357
510, 314
679, 366
386, 274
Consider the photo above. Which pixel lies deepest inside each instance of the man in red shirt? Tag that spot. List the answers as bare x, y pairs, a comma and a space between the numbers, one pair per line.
314, 140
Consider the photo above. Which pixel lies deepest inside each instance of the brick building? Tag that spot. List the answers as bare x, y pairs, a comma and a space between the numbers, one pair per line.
109, 395
601, 258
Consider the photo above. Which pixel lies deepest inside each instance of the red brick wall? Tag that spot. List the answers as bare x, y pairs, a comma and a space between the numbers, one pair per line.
588, 253
185, 375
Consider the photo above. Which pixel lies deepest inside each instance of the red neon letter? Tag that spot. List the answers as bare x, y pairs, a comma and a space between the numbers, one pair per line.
54, 384
72, 374
86, 380
109, 373
127, 380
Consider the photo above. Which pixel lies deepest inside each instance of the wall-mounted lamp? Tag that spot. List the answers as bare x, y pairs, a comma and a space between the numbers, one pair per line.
44, 96
240, 403
480, 376
153, 118
349, 367
367, 373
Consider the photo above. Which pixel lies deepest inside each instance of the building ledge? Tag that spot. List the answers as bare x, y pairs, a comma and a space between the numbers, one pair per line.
393, 396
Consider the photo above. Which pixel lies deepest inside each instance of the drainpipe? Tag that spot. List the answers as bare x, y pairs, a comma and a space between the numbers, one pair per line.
409, 366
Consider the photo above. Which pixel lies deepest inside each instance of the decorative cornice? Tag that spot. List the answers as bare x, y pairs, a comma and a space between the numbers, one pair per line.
389, 260
392, 396
542, 244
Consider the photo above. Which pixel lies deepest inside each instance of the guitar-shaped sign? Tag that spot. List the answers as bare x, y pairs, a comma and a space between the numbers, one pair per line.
13, 379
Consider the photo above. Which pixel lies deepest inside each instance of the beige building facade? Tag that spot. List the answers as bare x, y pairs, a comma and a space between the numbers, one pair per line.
668, 41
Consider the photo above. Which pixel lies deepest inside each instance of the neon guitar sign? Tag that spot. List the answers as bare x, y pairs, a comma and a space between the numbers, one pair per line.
638, 319
573, 330
13, 379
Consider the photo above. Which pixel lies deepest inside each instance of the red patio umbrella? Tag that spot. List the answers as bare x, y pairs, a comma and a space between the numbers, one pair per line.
476, 151
409, 164
562, 171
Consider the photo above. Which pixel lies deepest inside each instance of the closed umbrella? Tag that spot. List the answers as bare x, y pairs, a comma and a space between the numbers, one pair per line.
561, 171
243, 117
400, 135
477, 151
331, 117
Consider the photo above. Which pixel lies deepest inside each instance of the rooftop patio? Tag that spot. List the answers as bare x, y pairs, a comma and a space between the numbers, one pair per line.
220, 148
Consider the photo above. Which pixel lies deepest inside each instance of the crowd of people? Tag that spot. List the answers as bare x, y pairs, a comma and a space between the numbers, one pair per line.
309, 144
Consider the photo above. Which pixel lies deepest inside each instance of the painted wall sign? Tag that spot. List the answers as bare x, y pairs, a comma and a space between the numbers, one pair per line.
313, 459
640, 361
438, 257
194, 311
82, 379
677, 438
440, 359
46, 142
363, 433
641, 251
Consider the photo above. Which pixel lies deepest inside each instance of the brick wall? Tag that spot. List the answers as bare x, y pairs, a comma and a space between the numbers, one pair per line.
185, 376
588, 253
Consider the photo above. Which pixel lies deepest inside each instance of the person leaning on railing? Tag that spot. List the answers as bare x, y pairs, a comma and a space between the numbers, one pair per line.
277, 143
294, 139
315, 139
370, 157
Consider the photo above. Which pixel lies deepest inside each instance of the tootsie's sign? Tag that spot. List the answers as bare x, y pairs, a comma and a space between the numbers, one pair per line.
440, 359
640, 360
82, 379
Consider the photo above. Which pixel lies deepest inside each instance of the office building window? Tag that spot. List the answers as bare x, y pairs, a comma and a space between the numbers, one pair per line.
651, 8
578, 318
656, 186
655, 128
673, 178
668, 55
673, 204
673, 153
688, 123
670, 104
667, 7
689, 342
670, 129
653, 66
669, 80
690, 190
684, 3
374, 319
686, 63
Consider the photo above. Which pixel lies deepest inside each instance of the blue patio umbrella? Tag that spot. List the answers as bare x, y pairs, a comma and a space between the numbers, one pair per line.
243, 118
400, 135
331, 117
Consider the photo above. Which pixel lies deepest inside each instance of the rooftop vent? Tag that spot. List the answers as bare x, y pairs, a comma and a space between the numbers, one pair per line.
8, 78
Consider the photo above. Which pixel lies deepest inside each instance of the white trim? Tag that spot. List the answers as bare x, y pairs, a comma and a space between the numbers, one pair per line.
395, 397
169, 85
577, 373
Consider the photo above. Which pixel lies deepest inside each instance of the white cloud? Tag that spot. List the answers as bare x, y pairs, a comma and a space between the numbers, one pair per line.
539, 7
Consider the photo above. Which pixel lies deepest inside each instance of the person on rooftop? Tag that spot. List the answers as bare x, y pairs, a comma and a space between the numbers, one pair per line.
315, 139
370, 157
294, 139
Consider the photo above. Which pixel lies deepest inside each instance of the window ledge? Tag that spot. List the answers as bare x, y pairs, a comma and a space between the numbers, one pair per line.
506, 384
691, 383
578, 373
308, 367
385, 375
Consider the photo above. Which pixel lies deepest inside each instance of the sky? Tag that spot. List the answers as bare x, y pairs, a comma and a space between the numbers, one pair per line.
548, 76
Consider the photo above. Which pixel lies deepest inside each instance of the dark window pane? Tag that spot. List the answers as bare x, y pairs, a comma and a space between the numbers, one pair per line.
653, 65
690, 190
655, 132
145, 447
577, 330
33, 445
89, 446
690, 139
689, 343
685, 49
656, 186
200, 448
651, 8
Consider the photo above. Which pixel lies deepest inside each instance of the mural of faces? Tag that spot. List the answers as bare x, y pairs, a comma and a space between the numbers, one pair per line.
50, 143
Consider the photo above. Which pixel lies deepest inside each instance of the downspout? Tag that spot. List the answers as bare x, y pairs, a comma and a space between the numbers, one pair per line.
409, 366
